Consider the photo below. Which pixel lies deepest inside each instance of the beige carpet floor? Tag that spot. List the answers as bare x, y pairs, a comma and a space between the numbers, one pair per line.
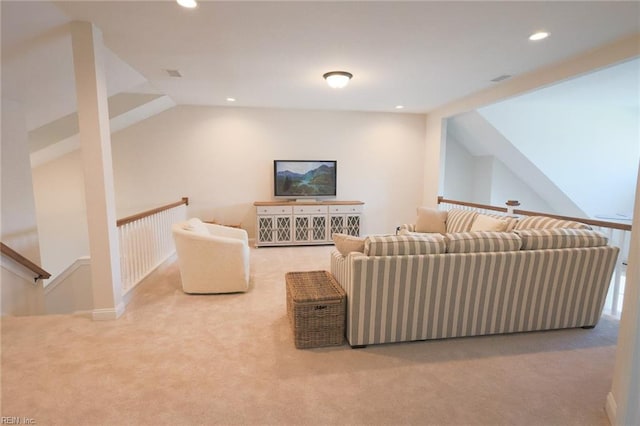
176, 359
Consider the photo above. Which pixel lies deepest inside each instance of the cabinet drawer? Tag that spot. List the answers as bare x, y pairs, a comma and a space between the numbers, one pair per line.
310, 209
354, 208
274, 210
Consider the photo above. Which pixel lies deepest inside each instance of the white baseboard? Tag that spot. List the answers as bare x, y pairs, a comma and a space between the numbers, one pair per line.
106, 314
611, 408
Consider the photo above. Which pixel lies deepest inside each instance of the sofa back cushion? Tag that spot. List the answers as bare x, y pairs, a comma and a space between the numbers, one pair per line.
392, 245
482, 241
557, 238
431, 220
460, 220
545, 222
493, 222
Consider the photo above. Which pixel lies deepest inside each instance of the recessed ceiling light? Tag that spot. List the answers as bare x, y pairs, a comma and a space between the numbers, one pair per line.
540, 35
399, 106
231, 99
189, 4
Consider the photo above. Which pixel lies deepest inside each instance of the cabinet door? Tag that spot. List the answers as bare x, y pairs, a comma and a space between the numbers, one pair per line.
266, 227
283, 229
318, 231
352, 223
336, 224
301, 227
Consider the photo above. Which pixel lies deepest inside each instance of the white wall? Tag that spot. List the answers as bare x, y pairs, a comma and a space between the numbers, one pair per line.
62, 217
222, 158
507, 186
18, 229
485, 179
458, 172
582, 134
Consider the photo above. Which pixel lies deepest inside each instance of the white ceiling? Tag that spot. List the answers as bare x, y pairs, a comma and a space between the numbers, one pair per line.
273, 54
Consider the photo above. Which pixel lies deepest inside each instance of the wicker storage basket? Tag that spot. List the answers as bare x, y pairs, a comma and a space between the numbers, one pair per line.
316, 309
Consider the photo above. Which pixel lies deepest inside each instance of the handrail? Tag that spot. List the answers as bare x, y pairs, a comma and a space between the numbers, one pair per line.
602, 223
11, 253
441, 200
133, 218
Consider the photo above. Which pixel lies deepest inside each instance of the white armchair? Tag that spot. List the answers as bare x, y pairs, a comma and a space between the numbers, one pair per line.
211, 258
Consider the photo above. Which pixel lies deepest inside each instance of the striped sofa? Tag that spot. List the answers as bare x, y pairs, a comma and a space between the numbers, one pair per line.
432, 286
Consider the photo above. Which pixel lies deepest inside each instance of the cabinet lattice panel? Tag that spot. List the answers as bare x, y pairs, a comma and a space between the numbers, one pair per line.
265, 229
283, 229
337, 223
319, 228
353, 225
302, 228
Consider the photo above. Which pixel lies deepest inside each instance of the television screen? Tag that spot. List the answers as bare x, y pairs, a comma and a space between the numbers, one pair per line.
304, 179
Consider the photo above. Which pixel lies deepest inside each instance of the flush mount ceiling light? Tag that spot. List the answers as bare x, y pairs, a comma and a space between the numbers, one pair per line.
337, 79
189, 4
540, 35
231, 99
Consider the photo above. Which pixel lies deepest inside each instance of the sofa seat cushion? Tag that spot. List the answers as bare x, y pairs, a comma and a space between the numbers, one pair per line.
545, 222
431, 220
347, 243
558, 238
460, 220
482, 241
393, 245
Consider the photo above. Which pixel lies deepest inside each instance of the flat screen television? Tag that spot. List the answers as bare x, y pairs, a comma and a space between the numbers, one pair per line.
299, 179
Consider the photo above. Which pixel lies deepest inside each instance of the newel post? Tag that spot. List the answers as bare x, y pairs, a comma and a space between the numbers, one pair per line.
511, 204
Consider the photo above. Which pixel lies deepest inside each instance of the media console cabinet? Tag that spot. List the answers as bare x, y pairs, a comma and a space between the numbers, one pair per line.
285, 223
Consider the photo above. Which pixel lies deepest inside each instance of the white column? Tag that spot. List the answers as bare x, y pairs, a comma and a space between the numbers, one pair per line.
95, 144
435, 134
623, 402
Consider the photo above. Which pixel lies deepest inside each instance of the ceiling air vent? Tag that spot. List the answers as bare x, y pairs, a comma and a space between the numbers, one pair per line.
173, 73
500, 78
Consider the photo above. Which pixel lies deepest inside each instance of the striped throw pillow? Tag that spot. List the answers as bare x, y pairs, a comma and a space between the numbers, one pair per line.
557, 238
482, 241
460, 220
393, 245
545, 222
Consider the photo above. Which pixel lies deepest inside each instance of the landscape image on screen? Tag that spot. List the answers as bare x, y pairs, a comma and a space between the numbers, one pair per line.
305, 178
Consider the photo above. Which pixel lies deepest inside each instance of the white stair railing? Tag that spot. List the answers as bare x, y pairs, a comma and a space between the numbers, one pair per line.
146, 241
619, 235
